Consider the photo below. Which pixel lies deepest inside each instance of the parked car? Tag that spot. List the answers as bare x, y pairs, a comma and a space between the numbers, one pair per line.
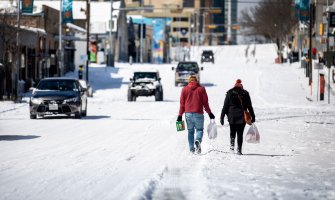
184, 70
207, 56
87, 86
145, 83
59, 95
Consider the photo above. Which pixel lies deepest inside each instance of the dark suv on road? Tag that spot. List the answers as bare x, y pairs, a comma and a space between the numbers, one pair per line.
58, 96
207, 56
184, 70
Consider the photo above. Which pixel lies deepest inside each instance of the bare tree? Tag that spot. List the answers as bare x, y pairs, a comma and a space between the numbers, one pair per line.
272, 19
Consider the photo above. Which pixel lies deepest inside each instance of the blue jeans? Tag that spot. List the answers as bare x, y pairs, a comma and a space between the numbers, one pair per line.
194, 121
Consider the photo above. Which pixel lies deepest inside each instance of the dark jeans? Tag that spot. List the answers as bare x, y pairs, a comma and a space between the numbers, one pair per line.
237, 128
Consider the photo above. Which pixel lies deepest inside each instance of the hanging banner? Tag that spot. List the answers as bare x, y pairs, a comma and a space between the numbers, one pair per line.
27, 6
158, 40
297, 8
304, 10
67, 11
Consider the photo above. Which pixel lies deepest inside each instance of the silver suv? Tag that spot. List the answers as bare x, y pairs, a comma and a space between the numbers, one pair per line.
184, 70
145, 83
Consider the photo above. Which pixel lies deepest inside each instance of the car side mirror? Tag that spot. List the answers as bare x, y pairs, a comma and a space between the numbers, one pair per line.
172, 68
159, 79
31, 89
131, 79
201, 68
83, 89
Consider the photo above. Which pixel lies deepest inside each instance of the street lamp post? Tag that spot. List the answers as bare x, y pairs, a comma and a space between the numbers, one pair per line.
141, 35
18, 57
88, 10
60, 47
111, 39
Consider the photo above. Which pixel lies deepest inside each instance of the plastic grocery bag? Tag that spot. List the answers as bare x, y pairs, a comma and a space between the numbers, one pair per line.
212, 130
252, 134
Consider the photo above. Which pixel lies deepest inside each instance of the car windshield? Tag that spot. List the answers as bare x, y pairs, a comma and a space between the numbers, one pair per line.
207, 53
62, 85
188, 67
143, 75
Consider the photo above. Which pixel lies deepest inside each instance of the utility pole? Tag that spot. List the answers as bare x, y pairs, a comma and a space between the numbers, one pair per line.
141, 35
197, 29
17, 77
88, 11
328, 65
60, 48
310, 67
203, 25
111, 39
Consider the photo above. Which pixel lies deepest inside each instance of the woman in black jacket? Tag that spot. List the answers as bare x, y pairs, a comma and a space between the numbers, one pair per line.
237, 100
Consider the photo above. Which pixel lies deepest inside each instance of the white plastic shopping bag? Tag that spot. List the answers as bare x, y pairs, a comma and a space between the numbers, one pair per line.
252, 134
212, 130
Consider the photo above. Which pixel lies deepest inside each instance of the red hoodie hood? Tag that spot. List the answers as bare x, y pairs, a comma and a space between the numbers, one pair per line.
193, 85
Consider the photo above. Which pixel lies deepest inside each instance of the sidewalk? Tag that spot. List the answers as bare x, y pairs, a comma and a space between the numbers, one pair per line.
313, 93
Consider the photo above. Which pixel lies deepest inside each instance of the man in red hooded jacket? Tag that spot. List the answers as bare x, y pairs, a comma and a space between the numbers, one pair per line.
193, 100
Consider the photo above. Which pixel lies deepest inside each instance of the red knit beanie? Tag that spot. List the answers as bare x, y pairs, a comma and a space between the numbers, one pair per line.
238, 83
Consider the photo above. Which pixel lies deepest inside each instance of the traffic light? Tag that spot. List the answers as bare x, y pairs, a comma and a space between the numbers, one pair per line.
321, 29
211, 26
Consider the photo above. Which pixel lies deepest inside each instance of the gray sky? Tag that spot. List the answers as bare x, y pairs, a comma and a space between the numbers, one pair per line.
243, 4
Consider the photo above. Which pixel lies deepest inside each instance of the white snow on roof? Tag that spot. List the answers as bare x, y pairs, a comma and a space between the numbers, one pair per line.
35, 30
146, 70
100, 11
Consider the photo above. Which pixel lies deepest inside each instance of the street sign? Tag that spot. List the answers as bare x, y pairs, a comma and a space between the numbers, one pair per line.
183, 31
329, 57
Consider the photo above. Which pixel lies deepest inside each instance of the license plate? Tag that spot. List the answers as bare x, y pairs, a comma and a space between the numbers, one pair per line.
53, 106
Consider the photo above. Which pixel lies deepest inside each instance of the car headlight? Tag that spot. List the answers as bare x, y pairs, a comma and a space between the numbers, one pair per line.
71, 100
210, 57
203, 57
36, 100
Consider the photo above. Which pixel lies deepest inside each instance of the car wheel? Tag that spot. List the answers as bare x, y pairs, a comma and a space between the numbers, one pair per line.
133, 98
33, 116
161, 96
130, 95
158, 95
77, 115
84, 114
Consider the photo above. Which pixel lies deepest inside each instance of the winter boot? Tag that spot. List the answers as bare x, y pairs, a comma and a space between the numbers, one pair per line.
192, 150
232, 144
239, 151
197, 147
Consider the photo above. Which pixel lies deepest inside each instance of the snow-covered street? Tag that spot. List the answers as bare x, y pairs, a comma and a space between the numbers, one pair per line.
131, 150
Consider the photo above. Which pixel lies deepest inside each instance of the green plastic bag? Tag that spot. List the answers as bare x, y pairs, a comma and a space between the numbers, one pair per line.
180, 125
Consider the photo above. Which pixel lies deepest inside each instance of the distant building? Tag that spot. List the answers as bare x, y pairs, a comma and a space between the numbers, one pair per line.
231, 21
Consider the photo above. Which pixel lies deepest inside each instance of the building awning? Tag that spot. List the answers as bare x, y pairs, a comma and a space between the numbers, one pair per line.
76, 28
34, 30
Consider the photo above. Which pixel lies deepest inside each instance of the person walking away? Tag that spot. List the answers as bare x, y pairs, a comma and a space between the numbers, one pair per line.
193, 100
236, 102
